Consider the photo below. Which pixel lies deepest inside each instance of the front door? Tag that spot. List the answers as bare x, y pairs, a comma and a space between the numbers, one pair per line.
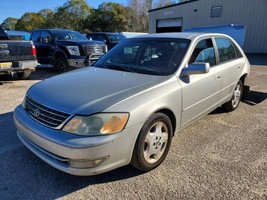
200, 92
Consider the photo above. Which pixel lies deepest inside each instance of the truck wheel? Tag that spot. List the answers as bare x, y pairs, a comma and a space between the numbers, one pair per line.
153, 143
24, 75
61, 65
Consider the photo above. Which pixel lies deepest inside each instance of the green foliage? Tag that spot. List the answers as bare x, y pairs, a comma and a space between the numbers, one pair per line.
48, 15
71, 15
108, 17
77, 15
30, 21
9, 23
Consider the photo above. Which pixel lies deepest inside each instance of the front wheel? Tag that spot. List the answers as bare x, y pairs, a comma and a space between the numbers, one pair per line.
61, 65
153, 143
236, 98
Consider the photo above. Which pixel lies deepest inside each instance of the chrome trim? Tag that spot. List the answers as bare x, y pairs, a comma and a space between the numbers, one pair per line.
92, 49
45, 115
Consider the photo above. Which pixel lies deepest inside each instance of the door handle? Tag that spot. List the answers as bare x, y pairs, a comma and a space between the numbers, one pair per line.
219, 76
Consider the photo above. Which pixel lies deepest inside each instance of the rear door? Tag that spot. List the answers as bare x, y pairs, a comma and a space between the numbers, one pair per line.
42, 41
231, 63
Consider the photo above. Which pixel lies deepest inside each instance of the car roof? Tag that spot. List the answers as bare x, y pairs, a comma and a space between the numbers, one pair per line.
109, 33
183, 35
55, 30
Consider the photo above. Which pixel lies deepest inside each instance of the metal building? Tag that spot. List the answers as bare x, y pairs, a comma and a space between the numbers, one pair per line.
200, 13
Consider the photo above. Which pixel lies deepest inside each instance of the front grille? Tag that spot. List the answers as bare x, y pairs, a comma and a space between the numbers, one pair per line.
94, 49
44, 115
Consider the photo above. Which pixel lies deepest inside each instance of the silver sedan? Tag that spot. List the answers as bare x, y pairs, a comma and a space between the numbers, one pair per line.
126, 108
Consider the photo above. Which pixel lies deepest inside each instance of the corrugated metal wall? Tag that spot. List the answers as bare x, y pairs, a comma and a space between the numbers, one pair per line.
251, 13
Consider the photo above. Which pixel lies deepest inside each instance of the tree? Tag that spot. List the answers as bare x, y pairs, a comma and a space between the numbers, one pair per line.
9, 23
109, 16
138, 16
72, 15
138, 12
48, 15
162, 3
30, 21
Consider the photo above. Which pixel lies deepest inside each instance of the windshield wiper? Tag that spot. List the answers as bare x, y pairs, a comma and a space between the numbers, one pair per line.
115, 67
121, 68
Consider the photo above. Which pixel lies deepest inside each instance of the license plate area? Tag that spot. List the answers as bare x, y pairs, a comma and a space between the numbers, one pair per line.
6, 65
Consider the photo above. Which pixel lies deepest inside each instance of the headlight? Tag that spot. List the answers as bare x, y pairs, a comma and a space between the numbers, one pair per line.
98, 124
73, 50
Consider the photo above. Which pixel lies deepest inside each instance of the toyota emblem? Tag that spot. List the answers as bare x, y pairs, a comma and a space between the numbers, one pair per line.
36, 112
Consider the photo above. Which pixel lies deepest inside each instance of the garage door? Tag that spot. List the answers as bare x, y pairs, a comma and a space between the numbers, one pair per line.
169, 25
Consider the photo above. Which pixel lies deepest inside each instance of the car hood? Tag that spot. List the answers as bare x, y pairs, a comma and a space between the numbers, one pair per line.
80, 42
90, 90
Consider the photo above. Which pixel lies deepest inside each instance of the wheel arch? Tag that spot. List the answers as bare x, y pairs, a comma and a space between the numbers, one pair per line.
243, 78
59, 53
171, 116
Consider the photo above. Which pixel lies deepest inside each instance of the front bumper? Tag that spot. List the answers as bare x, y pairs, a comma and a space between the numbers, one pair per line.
77, 63
75, 154
83, 62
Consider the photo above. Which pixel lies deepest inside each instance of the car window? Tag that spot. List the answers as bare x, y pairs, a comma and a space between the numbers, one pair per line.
225, 49
206, 56
203, 52
98, 37
148, 56
46, 37
36, 36
69, 35
116, 38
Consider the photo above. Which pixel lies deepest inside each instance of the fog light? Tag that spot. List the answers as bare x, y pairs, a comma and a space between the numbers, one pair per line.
83, 164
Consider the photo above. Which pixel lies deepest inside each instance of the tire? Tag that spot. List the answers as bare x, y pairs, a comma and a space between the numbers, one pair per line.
236, 98
24, 75
153, 143
61, 65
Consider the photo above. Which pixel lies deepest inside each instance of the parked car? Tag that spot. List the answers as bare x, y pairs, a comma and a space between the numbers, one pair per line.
66, 49
110, 39
16, 57
127, 107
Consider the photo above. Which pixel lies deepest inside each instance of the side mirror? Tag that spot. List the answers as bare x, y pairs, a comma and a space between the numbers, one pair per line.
105, 41
196, 68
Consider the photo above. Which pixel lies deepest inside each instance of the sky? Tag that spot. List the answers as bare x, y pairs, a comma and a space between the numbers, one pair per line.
16, 8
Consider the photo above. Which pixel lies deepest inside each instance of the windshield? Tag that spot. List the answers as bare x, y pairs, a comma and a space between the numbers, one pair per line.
69, 35
154, 56
116, 38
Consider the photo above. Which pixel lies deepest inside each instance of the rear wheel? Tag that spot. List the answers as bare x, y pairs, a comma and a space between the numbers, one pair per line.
24, 75
236, 98
153, 143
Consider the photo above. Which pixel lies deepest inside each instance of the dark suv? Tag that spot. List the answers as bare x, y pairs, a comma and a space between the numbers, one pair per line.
110, 39
66, 49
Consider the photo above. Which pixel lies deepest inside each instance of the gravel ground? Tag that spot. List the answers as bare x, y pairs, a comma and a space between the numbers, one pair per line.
221, 156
